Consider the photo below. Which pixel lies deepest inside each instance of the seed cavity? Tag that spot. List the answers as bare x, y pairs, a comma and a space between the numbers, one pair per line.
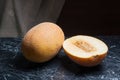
84, 46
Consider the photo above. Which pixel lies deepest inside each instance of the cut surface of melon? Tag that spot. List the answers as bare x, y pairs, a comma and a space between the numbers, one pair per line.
84, 46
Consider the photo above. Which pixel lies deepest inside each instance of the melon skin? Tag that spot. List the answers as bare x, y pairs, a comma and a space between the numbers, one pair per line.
92, 58
87, 62
42, 42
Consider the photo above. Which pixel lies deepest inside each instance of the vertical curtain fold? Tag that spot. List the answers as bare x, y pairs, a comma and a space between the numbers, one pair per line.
27, 13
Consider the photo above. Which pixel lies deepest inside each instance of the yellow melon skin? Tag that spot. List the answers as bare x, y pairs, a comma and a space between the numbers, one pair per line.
87, 62
42, 42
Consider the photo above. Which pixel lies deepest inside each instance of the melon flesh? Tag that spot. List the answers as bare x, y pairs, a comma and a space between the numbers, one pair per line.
84, 47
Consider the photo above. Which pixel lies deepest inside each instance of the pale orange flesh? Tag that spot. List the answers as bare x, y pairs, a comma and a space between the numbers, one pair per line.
84, 46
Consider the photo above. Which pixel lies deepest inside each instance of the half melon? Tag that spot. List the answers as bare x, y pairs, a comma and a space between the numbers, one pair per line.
85, 50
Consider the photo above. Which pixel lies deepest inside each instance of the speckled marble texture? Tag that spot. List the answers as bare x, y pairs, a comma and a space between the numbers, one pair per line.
13, 66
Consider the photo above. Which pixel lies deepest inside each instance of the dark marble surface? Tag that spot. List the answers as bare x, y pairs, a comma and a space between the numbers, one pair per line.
13, 66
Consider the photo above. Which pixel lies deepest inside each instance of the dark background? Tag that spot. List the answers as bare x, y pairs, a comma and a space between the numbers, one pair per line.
90, 17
